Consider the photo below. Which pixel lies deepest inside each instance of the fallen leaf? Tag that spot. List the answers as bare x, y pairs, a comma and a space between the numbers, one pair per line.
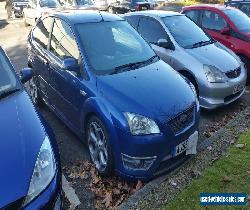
173, 183
138, 185
227, 179
96, 179
209, 148
195, 173
108, 200
240, 145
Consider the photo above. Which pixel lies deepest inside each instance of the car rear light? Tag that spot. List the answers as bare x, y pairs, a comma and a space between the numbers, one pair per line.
137, 163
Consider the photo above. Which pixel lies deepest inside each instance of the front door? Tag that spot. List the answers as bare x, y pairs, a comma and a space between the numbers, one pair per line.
213, 23
66, 91
152, 31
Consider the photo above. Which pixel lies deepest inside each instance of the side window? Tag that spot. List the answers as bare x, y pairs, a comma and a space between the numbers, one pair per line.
213, 21
42, 31
151, 30
133, 21
63, 43
193, 15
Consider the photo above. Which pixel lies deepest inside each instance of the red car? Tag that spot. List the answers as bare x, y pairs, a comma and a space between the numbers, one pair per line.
227, 25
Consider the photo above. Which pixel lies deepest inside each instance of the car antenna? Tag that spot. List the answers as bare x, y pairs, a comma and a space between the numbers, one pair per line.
101, 16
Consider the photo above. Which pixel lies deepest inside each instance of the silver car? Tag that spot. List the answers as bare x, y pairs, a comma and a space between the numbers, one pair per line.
216, 72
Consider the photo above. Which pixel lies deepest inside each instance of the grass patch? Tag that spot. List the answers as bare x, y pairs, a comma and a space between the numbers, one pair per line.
236, 166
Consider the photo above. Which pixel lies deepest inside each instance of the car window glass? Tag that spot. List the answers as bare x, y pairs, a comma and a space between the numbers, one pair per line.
7, 78
41, 32
240, 19
185, 32
63, 42
193, 15
49, 3
151, 30
213, 21
245, 8
112, 44
133, 21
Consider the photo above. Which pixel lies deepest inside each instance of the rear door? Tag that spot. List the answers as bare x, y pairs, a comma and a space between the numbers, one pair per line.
38, 53
213, 23
65, 86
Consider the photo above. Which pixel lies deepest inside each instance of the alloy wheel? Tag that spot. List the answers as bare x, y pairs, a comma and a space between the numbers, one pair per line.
97, 146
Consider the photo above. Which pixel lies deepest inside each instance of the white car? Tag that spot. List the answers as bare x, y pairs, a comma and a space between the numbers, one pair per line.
37, 9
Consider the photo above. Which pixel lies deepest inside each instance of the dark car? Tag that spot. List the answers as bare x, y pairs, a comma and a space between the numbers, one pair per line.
136, 114
243, 5
227, 25
30, 175
15, 7
124, 6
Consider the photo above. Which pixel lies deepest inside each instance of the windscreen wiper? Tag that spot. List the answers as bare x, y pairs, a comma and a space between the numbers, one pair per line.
133, 66
4, 94
202, 43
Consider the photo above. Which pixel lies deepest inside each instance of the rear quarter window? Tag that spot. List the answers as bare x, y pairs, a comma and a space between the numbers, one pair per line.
193, 15
133, 21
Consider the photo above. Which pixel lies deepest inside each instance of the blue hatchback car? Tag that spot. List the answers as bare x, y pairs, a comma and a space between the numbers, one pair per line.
137, 115
30, 176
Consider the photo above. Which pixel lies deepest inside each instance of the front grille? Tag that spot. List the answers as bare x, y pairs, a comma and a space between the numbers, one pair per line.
182, 120
234, 73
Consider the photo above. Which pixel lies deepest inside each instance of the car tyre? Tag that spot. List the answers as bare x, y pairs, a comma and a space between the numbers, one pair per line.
99, 147
34, 92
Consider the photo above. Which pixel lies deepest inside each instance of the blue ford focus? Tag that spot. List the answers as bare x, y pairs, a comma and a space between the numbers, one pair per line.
30, 176
137, 115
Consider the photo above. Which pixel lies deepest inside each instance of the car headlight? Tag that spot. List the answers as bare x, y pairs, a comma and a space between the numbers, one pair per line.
43, 173
214, 75
140, 125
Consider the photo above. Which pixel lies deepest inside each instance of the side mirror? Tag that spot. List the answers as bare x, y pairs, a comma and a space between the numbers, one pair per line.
26, 74
163, 43
225, 31
71, 64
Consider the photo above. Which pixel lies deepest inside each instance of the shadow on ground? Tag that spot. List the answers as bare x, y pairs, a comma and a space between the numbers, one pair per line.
3, 23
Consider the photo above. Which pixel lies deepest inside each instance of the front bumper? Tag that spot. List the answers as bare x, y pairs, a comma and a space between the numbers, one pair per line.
50, 198
158, 146
214, 95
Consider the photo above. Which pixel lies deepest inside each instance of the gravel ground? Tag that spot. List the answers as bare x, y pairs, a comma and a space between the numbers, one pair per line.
176, 181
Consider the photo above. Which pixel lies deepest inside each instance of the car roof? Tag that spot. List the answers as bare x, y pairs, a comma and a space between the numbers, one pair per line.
214, 6
155, 13
85, 16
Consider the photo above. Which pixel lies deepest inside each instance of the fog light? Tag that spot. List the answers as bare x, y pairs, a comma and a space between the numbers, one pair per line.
137, 163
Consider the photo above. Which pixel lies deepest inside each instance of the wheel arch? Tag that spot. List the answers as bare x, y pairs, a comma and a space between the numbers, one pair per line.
190, 77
